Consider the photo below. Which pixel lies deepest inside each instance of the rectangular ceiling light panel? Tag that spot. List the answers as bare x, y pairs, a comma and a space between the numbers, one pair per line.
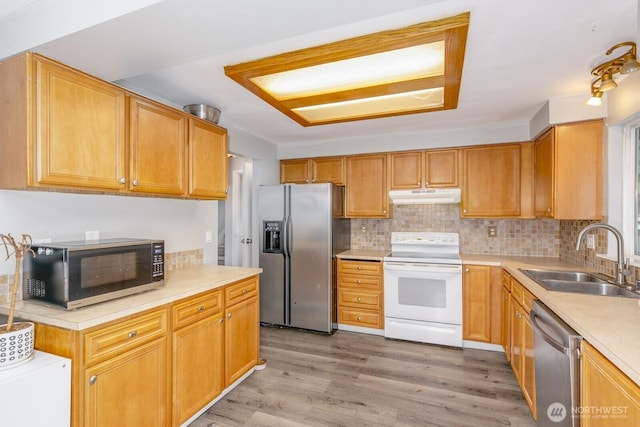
409, 70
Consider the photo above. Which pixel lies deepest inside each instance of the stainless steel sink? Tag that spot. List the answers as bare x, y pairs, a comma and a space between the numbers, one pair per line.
577, 282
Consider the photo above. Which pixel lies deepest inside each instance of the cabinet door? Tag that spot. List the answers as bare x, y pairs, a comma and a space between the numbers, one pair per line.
328, 169
476, 303
367, 193
405, 170
241, 338
603, 386
128, 390
80, 129
198, 366
515, 316
207, 160
157, 148
543, 175
528, 365
491, 181
505, 330
441, 168
294, 171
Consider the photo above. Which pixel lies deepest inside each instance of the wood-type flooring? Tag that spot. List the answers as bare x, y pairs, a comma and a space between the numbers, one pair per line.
350, 379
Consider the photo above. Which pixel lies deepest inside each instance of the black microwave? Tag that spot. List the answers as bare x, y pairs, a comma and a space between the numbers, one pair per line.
76, 274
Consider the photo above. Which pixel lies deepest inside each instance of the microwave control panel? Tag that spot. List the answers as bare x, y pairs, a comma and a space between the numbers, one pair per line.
157, 272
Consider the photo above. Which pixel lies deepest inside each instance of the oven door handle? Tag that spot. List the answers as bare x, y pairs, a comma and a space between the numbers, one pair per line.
436, 268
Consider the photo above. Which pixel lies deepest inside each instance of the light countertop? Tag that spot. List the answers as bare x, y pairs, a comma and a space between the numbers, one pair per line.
610, 324
178, 284
364, 254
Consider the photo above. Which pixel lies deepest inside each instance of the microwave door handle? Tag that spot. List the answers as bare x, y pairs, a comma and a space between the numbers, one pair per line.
533, 316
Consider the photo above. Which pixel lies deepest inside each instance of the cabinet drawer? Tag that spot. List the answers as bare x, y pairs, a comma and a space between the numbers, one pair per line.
241, 291
196, 308
357, 298
360, 267
365, 318
506, 280
517, 291
527, 300
119, 337
360, 282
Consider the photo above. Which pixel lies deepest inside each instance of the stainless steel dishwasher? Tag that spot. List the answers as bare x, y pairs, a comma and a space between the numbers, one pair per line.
557, 368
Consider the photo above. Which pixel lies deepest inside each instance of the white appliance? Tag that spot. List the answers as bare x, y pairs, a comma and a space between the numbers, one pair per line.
425, 196
36, 393
423, 288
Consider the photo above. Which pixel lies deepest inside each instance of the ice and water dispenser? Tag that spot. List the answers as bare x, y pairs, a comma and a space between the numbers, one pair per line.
272, 233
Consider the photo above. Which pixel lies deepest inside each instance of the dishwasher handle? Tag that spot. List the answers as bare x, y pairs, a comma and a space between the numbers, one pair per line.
533, 316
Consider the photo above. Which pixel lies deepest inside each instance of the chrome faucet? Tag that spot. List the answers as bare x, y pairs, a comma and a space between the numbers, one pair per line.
623, 267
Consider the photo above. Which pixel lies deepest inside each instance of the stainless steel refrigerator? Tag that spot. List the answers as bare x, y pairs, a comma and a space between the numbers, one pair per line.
302, 231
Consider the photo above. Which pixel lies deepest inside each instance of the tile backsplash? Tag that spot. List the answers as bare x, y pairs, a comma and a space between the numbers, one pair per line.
526, 237
515, 237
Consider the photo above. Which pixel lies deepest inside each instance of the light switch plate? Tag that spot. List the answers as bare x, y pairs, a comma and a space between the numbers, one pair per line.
492, 231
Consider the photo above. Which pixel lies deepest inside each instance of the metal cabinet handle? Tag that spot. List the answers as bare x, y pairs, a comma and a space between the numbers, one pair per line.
201, 308
229, 315
359, 318
133, 334
135, 182
93, 379
548, 210
466, 270
464, 211
222, 320
244, 291
358, 299
122, 180
359, 281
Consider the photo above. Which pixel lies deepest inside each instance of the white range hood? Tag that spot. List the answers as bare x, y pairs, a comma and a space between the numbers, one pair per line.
425, 196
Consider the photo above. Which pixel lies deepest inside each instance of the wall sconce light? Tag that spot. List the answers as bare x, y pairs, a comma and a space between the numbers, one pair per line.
623, 64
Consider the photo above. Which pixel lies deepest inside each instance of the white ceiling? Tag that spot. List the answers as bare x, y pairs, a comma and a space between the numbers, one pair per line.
519, 53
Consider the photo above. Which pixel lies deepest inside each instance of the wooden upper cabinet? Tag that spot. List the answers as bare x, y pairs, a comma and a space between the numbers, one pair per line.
312, 171
294, 171
568, 171
424, 169
328, 169
157, 148
80, 130
367, 191
70, 130
491, 185
405, 170
66, 129
208, 160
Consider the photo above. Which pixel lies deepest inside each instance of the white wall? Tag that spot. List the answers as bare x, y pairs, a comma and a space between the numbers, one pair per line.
61, 216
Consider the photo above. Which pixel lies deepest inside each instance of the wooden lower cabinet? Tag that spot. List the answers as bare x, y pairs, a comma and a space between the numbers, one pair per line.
521, 355
242, 335
360, 293
161, 366
608, 397
198, 354
481, 301
130, 389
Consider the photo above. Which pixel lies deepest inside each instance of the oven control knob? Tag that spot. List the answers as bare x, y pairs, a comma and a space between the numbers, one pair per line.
48, 251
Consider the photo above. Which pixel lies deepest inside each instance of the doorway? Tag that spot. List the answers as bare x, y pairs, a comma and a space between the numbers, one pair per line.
234, 233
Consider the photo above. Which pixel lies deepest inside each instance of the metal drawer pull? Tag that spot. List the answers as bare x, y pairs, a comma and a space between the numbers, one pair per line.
244, 291
222, 320
358, 299
133, 334
229, 315
201, 308
93, 379
359, 318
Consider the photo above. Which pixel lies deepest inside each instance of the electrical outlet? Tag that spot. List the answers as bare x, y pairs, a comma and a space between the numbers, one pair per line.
92, 235
492, 231
208, 236
591, 241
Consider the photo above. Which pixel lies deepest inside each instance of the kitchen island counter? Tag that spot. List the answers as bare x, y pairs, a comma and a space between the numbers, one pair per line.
179, 284
610, 324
